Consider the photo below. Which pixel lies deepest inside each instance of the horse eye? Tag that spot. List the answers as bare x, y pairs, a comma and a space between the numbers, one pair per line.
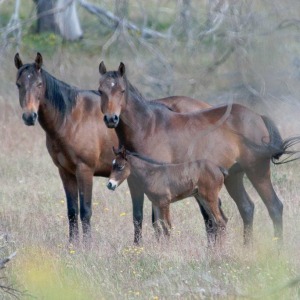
120, 168
123, 91
100, 92
18, 85
39, 84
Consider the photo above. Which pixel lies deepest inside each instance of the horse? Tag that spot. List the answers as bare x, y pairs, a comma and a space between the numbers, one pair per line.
166, 183
78, 143
230, 135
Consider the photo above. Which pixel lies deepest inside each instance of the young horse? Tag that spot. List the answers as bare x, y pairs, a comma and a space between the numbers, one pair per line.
232, 136
79, 145
167, 183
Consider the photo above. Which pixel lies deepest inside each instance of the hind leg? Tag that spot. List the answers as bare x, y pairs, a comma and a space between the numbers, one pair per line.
235, 187
260, 178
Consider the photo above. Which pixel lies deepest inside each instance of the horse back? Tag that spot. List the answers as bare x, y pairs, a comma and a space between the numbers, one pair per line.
183, 104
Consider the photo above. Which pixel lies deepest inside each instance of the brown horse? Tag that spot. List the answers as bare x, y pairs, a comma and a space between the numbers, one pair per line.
167, 183
78, 143
232, 136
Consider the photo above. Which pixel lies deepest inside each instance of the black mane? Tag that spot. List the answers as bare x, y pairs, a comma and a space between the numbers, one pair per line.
146, 159
139, 96
60, 94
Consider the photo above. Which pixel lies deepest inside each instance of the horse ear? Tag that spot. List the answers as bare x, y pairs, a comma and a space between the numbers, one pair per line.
38, 61
121, 69
102, 68
115, 150
18, 61
123, 151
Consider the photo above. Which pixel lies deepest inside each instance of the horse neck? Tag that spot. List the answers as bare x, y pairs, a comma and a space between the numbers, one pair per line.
136, 111
142, 168
56, 103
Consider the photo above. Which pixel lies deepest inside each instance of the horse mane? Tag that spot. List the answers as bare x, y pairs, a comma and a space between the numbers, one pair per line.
139, 96
146, 158
60, 94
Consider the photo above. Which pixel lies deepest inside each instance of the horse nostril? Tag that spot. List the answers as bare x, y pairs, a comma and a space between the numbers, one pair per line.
105, 119
29, 118
110, 186
115, 118
34, 115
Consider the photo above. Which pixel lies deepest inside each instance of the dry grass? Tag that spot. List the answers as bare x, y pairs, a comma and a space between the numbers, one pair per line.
33, 214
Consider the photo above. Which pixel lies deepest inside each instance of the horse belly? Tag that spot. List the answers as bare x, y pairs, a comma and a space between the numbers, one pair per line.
170, 191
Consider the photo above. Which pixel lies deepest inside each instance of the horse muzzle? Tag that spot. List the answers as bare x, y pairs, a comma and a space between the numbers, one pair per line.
30, 118
111, 121
112, 185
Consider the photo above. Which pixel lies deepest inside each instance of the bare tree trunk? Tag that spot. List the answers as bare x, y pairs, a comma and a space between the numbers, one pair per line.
59, 17
67, 20
45, 21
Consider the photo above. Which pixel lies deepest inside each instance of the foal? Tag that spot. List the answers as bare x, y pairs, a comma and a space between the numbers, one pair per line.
166, 183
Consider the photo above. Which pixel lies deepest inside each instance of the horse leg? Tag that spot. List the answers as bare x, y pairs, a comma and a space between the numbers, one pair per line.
162, 215
235, 187
71, 190
84, 176
137, 197
212, 202
156, 221
260, 178
165, 219
210, 225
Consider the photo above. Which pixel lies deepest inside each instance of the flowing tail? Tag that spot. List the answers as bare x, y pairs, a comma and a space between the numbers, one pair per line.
277, 146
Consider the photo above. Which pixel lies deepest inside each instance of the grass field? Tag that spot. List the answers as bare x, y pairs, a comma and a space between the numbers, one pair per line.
34, 220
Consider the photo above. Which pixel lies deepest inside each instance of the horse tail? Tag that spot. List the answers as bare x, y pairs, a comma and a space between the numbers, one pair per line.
277, 146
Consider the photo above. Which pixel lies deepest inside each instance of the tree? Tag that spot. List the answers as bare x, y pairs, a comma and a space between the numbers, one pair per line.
45, 14
58, 17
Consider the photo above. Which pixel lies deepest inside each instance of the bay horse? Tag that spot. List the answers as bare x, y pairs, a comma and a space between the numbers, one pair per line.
231, 136
166, 183
78, 143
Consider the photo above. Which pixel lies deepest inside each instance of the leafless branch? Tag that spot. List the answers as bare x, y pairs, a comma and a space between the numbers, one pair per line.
10, 290
5, 260
112, 21
221, 60
213, 24
13, 26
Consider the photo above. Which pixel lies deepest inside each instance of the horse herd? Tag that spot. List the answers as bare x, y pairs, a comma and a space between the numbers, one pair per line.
168, 149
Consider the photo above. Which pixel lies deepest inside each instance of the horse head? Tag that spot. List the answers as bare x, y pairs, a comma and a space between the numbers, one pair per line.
112, 89
31, 87
120, 169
